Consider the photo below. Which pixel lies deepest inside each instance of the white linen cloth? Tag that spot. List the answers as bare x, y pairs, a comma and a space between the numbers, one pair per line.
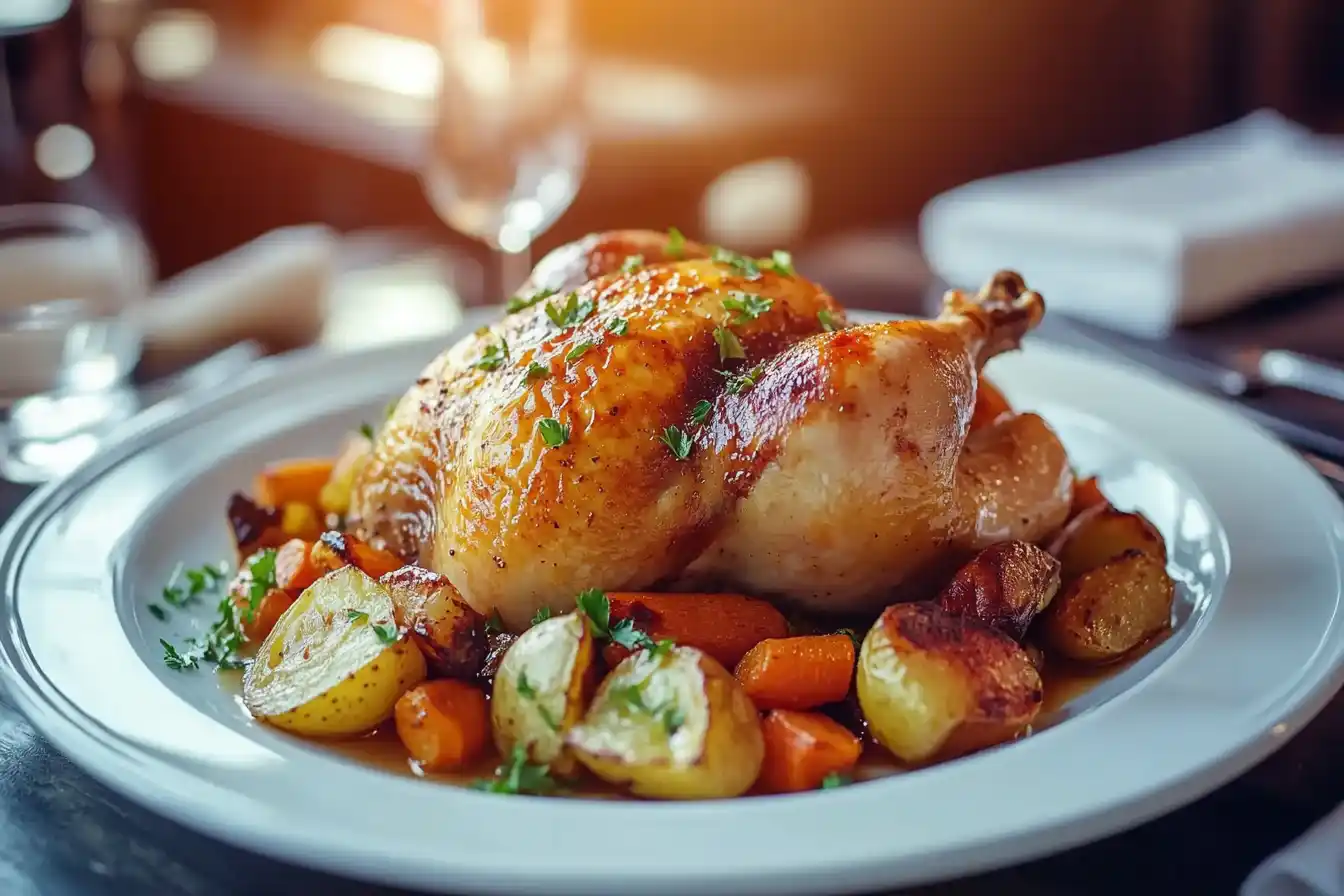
1312, 865
1145, 240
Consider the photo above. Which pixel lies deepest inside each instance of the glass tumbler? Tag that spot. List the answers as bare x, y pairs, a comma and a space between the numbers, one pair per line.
69, 281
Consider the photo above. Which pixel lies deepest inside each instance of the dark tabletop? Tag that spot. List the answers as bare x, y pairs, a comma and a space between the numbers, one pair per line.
62, 834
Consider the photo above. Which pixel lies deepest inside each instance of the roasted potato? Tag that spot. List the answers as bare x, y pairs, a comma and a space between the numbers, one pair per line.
334, 496
542, 688
1005, 587
1111, 609
1087, 494
674, 724
1103, 533
335, 662
442, 624
934, 685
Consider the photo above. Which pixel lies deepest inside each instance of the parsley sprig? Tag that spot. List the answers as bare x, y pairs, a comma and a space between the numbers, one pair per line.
827, 320
632, 263
517, 775
676, 243
730, 347
494, 355
553, 432
595, 604
518, 303
741, 382
740, 263
221, 642
676, 440
571, 312
834, 780
781, 262
700, 413
746, 307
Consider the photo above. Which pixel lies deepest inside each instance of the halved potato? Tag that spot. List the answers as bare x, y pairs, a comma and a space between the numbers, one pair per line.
443, 625
1108, 611
934, 686
335, 662
1103, 533
672, 724
541, 689
1005, 587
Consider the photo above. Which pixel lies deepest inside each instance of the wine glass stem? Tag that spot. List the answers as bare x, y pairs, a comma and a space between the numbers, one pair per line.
514, 268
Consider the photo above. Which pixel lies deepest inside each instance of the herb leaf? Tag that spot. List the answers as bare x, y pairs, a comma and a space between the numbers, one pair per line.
518, 303
535, 371
356, 615
594, 604
525, 689
366, 431
700, 413
834, 780
493, 356
518, 776
632, 263
571, 312
729, 345
676, 243
741, 382
386, 632
827, 320
741, 263
553, 432
157, 612
176, 661
494, 625
677, 442
577, 351
618, 326
673, 719
781, 262
541, 615
746, 306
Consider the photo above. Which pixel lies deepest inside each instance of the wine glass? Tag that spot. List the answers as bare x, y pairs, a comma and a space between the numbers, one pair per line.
508, 146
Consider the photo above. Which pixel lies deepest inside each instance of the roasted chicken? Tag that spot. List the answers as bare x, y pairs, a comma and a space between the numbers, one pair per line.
657, 413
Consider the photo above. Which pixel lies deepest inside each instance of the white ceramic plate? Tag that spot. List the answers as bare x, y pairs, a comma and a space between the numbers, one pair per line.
1255, 544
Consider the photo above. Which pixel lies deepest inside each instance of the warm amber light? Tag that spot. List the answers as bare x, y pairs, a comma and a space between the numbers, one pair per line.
358, 55
175, 44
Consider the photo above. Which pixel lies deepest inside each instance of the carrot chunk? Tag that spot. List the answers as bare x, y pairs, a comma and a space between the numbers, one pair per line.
292, 481
267, 613
990, 405
725, 626
802, 748
444, 724
336, 549
294, 566
798, 673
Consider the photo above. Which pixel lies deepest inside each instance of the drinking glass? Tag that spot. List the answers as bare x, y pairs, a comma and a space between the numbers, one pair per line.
69, 278
508, 145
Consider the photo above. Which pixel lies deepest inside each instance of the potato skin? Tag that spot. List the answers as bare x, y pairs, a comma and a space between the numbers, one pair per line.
1102, 533
442, 624
1110, 609
1005, 586
542, 688
935, 686
711, 747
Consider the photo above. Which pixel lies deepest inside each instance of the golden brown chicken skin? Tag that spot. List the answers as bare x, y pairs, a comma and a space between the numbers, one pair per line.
827, 466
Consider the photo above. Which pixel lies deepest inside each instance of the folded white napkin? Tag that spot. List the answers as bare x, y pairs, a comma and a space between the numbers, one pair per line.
1168, 234
1312, 865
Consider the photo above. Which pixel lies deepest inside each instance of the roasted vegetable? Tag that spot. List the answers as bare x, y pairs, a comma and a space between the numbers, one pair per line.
334, 496
445, 628
671, 723
335, 663
444, 725
802, 749
934, 686
294, 568
1111, 609
1086, 495
292, 482
336, 549
253, 527
1005, 586
725, 626
542, 688
1104, 533
798, 673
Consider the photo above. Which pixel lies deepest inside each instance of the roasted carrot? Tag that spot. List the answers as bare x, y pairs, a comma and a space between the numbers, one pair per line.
1086, 494
268, 612
725, 626
443, 724
990, 405
798, 673
294, 566
336, 549
292, 481
802, 748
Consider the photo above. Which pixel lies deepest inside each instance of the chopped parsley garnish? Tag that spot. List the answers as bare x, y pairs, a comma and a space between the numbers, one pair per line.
525, 689
730, 346
571, 312
700, 413
494, 625
673, 719
535, 371
578, 351
356, 615
553, 432
386, 632
781, 262
741, 382
630, 696
594, 604
827, 320
493, 356
518, 303
746, 306
198, 582
676, 243
519, 776
741, 263
834, 780
176, 661
661, 649
618, 326
677, 442
220, 643
366, 431
632, 263
541, 615
157, 612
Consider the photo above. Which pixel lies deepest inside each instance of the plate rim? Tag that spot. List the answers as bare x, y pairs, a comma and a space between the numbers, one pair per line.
20, 531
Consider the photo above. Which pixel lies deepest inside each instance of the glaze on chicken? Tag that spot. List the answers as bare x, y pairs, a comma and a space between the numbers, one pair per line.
609, 436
